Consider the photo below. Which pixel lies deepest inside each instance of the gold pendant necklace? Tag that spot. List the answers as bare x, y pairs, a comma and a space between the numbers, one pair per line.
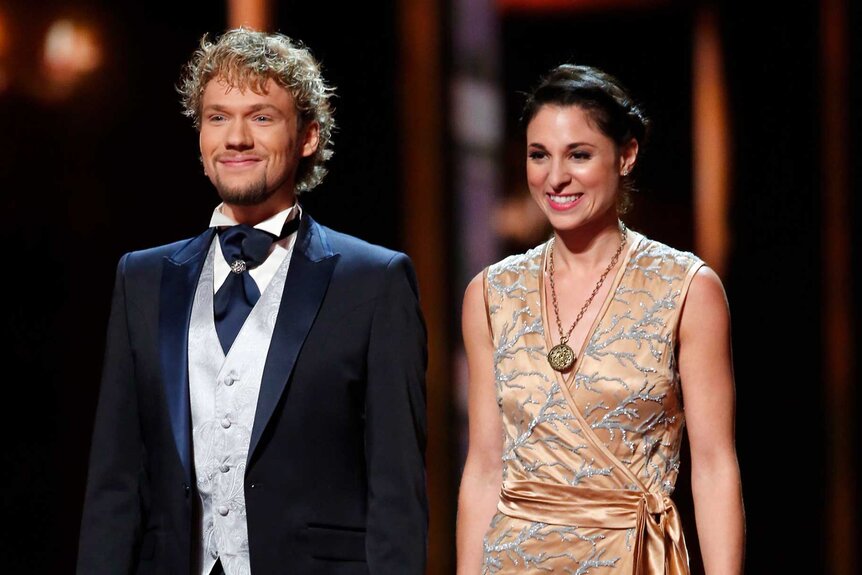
562, 357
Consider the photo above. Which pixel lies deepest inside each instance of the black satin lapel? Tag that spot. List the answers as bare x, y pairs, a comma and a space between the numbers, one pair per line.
304, 289
180, 275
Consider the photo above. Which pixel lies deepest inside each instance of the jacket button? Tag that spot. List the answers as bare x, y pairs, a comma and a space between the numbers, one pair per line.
186, 489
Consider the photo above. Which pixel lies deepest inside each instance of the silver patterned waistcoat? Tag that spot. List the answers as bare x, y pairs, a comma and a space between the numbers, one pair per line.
223, 392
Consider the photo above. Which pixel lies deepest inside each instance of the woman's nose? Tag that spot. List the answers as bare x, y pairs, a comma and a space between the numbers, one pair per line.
559, 176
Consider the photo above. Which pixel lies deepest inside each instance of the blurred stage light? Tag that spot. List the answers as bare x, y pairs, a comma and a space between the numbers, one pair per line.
4, 47
551, 6
254, 14
4, 35
71, 52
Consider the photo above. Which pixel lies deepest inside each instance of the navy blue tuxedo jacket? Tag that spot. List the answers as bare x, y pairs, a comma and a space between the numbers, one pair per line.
335, 482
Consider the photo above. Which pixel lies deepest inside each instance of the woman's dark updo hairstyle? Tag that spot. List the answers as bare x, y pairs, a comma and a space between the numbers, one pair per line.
603, 98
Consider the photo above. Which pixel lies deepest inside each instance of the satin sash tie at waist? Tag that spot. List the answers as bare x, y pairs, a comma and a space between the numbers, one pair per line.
659, 545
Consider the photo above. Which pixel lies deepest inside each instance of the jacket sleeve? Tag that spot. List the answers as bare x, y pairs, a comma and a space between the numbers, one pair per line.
395, 433
112, 517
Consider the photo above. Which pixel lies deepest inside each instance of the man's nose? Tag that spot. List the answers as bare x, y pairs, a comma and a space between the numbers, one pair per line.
239, 135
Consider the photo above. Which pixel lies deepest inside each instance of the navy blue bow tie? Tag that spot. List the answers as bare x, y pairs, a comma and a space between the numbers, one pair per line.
244, 248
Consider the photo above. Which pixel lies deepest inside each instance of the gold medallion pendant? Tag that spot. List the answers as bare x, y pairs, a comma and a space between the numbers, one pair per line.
561, 357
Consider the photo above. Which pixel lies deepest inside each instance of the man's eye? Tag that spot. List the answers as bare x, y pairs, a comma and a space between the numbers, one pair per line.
262, 119
216, 118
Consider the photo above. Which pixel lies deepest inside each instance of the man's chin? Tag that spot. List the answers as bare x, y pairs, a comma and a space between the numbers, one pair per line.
244, 197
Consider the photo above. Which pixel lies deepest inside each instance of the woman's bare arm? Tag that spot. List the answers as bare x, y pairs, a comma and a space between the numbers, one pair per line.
706, 372
480, 482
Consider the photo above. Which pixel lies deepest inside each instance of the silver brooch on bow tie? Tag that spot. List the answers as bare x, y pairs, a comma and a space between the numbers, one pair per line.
238, 266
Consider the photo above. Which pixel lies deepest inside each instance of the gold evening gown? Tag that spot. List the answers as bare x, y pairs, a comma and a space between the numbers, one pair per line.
590, 457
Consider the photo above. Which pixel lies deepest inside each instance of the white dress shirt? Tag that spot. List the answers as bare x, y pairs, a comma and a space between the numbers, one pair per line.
263, 273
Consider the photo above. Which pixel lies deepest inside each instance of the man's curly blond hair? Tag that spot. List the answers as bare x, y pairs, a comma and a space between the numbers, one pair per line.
246, 59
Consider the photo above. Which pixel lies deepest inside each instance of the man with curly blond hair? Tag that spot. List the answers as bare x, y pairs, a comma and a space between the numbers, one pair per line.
262, 407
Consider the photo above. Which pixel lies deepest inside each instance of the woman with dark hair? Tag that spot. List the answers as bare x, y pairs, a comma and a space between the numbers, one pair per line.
581, 352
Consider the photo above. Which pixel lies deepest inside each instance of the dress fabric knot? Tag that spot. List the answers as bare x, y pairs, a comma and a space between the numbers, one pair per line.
659, 547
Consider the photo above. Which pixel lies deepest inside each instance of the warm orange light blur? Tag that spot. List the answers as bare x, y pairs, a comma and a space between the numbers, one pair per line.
71, 51
254, 14
574, 5
840, 366
4, 46
420, 81
4, 35
711, 145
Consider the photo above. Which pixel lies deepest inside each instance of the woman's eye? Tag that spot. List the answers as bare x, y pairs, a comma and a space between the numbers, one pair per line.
535, 155
581, 155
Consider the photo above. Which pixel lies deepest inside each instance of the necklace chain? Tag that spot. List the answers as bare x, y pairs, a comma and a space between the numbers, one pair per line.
565, 338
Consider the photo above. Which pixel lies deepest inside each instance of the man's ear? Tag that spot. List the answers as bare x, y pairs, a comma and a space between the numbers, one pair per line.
310, 139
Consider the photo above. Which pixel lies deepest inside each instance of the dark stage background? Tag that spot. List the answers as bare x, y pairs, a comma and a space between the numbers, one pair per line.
113, 166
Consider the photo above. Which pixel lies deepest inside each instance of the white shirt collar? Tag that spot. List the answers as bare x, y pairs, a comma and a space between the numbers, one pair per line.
272, 225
